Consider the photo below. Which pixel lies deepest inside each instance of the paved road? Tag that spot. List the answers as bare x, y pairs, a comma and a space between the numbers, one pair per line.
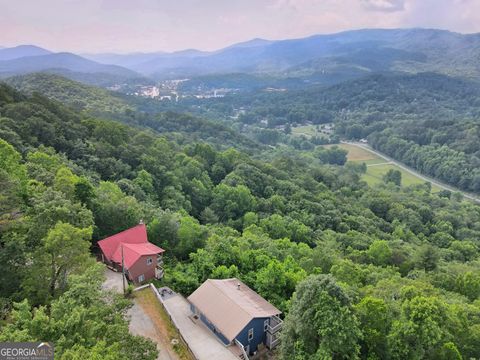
414, 172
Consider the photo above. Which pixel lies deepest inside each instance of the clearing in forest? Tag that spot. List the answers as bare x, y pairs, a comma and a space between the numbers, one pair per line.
376, 172
357, 154
377, 167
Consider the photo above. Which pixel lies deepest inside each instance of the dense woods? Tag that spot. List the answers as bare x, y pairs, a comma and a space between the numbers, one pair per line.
358, 272
429, 121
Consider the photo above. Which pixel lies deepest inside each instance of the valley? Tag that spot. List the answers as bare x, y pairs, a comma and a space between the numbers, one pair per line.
332, 178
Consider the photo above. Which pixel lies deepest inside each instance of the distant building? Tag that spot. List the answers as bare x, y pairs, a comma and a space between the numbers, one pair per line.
236, 314
142, 260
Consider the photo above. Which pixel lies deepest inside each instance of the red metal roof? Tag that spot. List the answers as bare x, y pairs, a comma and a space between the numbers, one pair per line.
134, 242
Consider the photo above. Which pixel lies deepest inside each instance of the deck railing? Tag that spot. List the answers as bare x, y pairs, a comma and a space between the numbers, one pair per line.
275, 324
273, 331
240, 345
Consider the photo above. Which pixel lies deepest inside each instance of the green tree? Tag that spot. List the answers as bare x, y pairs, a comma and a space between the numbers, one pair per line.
232, 202
321, 323
393, 176
375, 322
65, 250
379, 252
65, 181
113, 210
419, 331
82, 322
191, 236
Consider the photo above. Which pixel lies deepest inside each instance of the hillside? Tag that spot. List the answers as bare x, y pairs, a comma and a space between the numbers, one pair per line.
399, 263
99, 102
71, 93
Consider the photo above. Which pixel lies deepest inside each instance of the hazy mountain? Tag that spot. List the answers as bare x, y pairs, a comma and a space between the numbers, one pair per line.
72, 66
125, 60
327, 58
21, 51
319, 59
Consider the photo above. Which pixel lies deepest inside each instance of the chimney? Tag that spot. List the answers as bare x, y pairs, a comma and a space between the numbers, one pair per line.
140, 222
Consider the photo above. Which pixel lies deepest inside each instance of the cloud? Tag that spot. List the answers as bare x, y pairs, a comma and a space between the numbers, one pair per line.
152, 25
384, 5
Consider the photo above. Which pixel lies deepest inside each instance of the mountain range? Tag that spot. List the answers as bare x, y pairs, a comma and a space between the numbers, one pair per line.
323, 59
346, 54
26, 59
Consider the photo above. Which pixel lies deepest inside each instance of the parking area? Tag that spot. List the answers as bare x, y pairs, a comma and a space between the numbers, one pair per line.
113, 281
203, 344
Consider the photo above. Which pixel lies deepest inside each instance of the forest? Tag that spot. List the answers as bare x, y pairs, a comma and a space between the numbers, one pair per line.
428, 121
359, 272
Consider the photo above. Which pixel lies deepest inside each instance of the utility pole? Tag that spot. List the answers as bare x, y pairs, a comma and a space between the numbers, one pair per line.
123, 271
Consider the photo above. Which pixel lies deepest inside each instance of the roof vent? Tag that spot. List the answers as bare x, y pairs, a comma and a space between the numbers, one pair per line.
238, 286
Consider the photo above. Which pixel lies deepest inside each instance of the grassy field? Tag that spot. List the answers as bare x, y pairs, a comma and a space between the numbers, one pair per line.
375, 174
356, 153
378, 167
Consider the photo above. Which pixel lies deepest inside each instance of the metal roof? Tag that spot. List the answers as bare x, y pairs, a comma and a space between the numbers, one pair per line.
134, 242
230, 305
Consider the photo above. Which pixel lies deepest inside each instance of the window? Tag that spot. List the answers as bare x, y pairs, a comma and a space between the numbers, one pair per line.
265, 325
250, 334
141, 278
149, 261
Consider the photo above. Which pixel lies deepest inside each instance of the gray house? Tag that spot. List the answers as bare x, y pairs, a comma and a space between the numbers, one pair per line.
236, 314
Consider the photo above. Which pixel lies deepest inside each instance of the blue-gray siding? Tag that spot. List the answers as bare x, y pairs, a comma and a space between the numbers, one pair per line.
210, 325
259, 335
258, 325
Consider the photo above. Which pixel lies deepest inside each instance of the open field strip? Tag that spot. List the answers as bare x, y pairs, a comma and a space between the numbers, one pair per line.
378, 166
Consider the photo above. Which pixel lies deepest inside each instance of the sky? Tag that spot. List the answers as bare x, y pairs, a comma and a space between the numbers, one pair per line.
122, 26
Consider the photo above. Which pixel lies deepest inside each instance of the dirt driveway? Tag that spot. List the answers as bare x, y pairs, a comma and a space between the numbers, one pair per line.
113, 281
145, 319
149, 319
141, 324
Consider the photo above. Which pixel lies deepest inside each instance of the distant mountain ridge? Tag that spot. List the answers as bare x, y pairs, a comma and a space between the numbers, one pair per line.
345, 55
27, 59
21, 51
318, 59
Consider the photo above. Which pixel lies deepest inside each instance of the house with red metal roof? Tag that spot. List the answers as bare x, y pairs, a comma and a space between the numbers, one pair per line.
131, 250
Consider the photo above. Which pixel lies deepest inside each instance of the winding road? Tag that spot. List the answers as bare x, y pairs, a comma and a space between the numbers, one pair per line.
414, 172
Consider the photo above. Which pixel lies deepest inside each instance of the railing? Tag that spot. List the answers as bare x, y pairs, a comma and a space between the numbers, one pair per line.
273, 329
272, 340
172, 319
159, 272
240, 345
275, 324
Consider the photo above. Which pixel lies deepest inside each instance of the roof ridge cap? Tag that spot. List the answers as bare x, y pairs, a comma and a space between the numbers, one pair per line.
121, 232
